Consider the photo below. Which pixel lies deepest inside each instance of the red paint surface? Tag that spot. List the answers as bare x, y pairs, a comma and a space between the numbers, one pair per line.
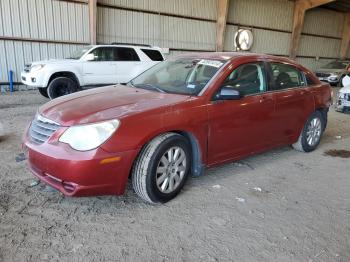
225, 130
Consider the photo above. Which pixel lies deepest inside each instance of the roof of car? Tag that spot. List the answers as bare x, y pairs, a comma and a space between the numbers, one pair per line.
230, 56
127, 45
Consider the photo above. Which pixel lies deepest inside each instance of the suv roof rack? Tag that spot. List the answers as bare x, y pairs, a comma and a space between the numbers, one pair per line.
118, 43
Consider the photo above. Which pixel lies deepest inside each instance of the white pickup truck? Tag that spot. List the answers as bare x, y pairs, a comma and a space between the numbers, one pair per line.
95, 65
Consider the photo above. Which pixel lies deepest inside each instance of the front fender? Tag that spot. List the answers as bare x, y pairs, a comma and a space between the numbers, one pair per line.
52, 70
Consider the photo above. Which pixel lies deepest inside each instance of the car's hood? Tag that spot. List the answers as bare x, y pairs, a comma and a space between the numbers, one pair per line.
329, 70
54, 61
345, 89
104, 103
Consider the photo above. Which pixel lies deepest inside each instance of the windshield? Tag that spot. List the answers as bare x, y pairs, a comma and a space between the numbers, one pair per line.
77, 54
185, 76
336, 65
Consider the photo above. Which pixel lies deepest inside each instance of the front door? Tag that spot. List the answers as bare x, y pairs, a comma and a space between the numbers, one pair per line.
240, 127
101, 70
129, 64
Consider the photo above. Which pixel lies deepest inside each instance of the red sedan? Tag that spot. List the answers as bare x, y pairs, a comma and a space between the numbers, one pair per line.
179, 117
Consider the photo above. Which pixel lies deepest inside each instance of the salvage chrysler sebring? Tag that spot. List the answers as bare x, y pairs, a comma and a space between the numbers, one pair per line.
180, 116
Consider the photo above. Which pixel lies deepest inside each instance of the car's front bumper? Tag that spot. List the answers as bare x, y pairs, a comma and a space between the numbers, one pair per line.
75, 173
36, 79
342, 104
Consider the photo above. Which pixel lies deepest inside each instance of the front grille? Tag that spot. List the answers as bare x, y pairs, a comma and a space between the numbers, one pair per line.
318, 74
345, 97
41, 129
27, 68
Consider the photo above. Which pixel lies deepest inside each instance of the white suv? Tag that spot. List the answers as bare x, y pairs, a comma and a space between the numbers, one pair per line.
90, 66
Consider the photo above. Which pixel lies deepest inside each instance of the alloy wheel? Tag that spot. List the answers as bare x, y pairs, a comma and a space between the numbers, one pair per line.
171, 169
314, 131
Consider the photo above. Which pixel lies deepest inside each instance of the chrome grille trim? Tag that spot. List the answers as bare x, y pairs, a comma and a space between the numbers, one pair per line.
42, 129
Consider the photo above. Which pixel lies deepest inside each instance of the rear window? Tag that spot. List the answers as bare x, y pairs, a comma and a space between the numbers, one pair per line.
285, 76
154, 55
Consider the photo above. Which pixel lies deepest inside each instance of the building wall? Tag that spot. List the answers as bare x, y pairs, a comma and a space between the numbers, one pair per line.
271, 22
186, 26
32, 30
173, 24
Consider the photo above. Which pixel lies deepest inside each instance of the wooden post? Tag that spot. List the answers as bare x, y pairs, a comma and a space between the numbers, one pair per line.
93, 21
221, 24
345, 37
300, 7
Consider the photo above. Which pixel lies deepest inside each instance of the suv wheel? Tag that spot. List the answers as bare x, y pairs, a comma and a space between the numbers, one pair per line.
43, 91
310, 136
162, 168
61, 86
340, 83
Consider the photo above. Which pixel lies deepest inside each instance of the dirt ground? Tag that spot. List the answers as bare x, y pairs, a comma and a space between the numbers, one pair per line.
282, 205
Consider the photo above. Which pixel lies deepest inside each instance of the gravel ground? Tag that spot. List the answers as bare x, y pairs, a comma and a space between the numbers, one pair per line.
282, 205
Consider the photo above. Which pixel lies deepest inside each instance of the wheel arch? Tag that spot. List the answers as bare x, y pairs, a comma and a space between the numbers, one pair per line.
68, 74
197, 165
324, 113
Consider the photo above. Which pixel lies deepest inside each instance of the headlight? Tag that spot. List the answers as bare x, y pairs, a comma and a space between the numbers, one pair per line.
35, 68
335, 74
88, 137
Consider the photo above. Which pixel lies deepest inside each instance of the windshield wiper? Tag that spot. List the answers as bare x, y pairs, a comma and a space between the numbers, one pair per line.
148, 87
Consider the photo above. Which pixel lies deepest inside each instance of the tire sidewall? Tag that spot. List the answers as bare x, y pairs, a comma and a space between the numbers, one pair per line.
305, 145
154, 193
55, 83
43, 91
340, 83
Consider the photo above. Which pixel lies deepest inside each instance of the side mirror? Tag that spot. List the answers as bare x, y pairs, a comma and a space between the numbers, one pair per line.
90, 57
228, 93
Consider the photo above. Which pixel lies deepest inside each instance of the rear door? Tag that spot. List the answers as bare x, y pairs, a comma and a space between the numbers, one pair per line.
101, 70
129, 64
294, 101
240, 127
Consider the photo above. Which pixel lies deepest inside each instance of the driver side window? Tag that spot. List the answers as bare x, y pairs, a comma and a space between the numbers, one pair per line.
103, 54
248, 79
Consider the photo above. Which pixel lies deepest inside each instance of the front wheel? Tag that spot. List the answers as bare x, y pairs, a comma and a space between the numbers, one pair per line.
340, 83
61, 86
43, 91
162, 168
311, 134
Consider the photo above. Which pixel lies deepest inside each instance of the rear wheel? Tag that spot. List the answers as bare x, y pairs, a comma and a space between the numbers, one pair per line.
310, 136
43, 91
61, 86
162, 168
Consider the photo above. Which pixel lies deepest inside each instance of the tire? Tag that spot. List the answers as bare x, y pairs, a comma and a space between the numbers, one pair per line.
340, 83
43, 91
61, 86
152, 178
311, 133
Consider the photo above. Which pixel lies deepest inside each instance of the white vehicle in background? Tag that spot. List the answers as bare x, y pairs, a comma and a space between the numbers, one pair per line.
333, 72
95, 65
343, 100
